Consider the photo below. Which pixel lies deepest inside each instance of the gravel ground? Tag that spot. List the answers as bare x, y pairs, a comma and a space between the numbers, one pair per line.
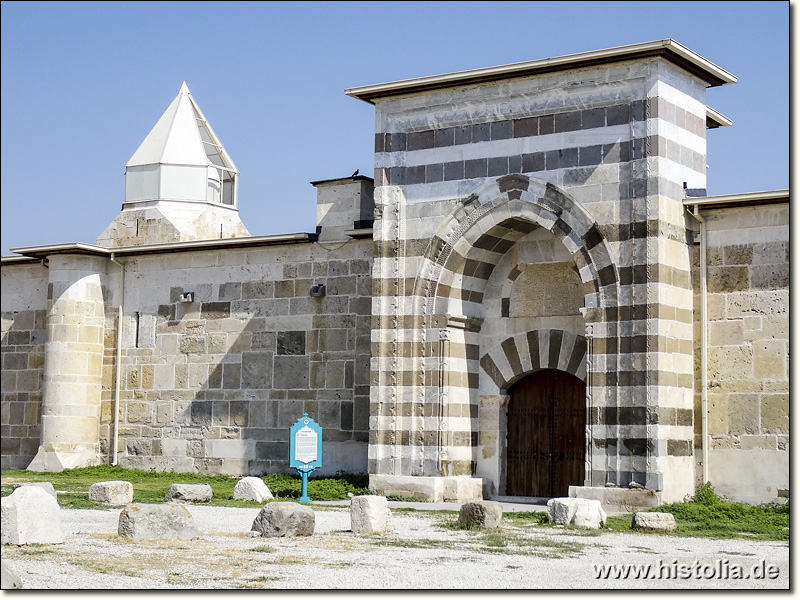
418, 555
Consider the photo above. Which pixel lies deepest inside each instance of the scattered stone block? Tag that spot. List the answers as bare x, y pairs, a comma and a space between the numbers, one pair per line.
9, 579
370, 514
30, 515
45, 485
156, 522
189, 492
653, 520
482, 513
588, 514
116, 493
284, 519
251, 488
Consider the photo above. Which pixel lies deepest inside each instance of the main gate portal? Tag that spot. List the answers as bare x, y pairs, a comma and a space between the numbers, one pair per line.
546, 439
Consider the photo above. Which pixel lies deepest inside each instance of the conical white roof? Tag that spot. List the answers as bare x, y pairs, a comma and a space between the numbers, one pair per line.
182, 136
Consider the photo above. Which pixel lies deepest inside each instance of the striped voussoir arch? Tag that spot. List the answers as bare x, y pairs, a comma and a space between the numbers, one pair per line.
465, 250
533, 351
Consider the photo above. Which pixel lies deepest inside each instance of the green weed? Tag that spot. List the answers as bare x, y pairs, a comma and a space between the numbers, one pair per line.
527, 517
707, 515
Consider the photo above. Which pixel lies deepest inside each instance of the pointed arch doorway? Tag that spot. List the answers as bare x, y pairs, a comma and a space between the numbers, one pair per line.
546, 434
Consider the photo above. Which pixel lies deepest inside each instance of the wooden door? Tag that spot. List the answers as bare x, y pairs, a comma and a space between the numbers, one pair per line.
546, 441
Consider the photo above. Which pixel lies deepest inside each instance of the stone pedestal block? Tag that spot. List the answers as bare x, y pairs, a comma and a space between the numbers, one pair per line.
189, 492
653, 520
621, 499
284, 519
251, 488
156, 522
483, 513
587, 514
30, 516
115, 493
370, 514
435, 489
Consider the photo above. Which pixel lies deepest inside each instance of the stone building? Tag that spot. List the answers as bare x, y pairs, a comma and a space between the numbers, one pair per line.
534, 297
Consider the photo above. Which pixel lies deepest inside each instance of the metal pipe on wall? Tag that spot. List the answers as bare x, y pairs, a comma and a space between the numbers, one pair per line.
703, 340
118, 364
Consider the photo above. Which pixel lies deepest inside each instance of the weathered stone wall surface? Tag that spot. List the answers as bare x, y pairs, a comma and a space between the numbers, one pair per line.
213, 385
170, 222
748, 351
24, 310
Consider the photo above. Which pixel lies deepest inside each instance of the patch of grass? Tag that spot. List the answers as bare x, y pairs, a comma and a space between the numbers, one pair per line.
288, 560
709, 516
263, 549
414, 544
150, 487
581, 531
283, 485
341, 565
514, 543
81, 500
495, 539
527, 517
30, 551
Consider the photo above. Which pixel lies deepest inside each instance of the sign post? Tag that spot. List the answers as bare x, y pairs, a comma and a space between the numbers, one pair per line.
305, 450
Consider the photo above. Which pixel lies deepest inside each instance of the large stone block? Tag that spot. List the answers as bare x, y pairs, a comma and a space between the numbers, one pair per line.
775, 413
251, 488
9, 579
482, 513
189, 492
156, 522
653, 520
587, 514
462, 489
30, 515
111, 492
45, 485
284, 519
769, 359
370, 514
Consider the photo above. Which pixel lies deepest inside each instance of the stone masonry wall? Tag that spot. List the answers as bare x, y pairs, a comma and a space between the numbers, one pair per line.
213, 385
748, 351
24, 308
597, 158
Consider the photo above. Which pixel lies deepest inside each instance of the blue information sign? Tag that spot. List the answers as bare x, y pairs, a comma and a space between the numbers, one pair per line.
305, 450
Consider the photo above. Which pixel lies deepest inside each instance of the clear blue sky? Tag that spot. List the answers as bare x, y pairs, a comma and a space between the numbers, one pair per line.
82, 84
